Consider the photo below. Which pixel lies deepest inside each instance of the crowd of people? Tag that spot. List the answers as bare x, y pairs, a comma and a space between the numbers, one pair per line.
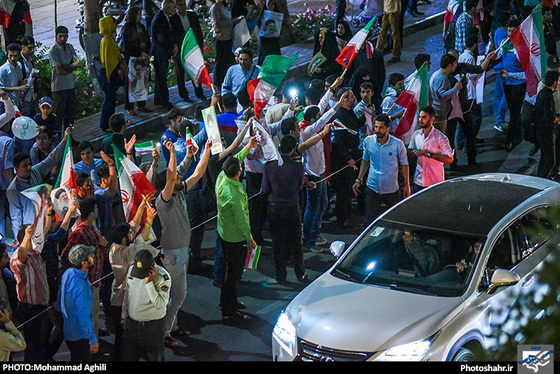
333, 137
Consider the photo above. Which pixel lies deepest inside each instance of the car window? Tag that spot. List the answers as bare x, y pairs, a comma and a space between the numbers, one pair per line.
523, 238
412, 259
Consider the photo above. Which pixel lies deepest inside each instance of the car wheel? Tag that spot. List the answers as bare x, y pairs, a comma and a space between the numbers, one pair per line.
463, 355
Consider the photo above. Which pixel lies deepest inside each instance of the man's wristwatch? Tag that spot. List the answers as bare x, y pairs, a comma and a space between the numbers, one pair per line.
358, 181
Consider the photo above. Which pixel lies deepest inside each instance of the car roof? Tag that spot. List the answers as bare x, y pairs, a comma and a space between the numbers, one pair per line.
470, 205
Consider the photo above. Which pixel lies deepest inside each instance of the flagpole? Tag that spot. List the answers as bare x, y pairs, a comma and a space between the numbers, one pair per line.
503, 43
214, 91
395, 103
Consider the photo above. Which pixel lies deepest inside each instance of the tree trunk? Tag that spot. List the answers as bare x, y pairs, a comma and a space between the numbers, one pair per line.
92, 14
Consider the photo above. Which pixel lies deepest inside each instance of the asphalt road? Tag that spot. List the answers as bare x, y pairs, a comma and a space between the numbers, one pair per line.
211, 340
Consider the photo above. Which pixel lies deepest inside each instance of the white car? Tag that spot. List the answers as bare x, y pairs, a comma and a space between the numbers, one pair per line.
427, 279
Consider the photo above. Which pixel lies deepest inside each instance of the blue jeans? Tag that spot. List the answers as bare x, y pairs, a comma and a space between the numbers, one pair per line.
500, 104
317, 201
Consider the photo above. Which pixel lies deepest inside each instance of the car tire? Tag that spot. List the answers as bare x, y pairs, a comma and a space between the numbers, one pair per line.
463, 355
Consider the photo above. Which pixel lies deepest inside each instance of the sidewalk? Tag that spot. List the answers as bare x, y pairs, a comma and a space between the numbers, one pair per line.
88, 128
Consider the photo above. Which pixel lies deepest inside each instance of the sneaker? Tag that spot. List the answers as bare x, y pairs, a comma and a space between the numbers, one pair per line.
501, 127
316, 249
320, 241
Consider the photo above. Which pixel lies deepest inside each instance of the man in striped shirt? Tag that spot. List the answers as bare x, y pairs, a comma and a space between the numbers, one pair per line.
88, 234
33, 295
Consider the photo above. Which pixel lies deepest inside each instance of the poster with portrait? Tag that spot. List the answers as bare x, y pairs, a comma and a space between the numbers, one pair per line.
271, 25
211, 124
39, 195
61, 198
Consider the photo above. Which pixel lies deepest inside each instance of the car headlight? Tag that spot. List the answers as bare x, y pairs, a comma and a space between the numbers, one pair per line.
285, 333
414, 351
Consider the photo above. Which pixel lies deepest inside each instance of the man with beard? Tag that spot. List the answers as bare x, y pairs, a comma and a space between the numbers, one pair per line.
383, 153
88, 234
432, 148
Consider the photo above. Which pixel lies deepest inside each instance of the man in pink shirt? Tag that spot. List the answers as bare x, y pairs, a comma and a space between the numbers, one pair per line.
433, 150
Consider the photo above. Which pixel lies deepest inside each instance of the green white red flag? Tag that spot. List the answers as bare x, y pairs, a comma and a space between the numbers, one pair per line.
67, 176
144, 148
253, 257
193, 61
413, 98
134, 185
528, 40
190, 141
351, 49
273, 71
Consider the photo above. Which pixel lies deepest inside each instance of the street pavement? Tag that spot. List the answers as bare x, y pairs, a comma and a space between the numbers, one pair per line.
210, 339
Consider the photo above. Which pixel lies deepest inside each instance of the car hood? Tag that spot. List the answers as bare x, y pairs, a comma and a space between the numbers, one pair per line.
343, 315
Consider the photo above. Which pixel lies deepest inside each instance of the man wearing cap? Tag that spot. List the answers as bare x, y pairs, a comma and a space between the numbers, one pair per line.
46, 117
144, 307
75, 298
528, 109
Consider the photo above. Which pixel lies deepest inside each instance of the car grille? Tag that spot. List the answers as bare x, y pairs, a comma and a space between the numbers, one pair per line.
312, 352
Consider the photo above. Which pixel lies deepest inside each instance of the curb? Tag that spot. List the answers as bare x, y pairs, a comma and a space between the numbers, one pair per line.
158, 121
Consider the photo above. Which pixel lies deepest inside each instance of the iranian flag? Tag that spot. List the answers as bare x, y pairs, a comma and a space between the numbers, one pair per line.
414, 97
349, 52
528, 40
253, 257
134, 185
144, 148
193, 61
6, 9
67, 176
273, 71
190, 141
452, 8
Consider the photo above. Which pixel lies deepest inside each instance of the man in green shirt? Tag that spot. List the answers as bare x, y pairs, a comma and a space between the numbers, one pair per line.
234, 230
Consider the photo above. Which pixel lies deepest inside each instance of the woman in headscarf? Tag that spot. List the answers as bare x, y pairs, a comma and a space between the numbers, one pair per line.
135, 43
112, 74
269, 45
343, 34
360, 76
325, 42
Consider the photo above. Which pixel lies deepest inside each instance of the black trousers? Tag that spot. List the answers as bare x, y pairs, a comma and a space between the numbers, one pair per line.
36, 330
235, 255
258, 205
224, 59
285, 230
469, 132
548, 143
342, 184
377, 203
515, 94
64, 103
197, 215
143, 339
79, 350
161, 91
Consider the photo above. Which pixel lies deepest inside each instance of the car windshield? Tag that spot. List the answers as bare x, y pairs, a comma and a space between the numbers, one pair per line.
412, 259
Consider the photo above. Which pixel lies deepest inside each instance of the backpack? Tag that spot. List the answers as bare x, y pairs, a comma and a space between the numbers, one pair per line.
449, 38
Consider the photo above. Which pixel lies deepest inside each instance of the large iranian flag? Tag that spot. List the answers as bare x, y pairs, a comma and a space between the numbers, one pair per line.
273, 71
193, 61
528, 40
413, 98
67, 176
452, 8
134, 185
349, 52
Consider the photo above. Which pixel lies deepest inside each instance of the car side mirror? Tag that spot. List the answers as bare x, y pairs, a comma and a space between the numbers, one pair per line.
337, 247
501, 278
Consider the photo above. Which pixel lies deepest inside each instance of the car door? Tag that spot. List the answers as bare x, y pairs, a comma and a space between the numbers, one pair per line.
520, 248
